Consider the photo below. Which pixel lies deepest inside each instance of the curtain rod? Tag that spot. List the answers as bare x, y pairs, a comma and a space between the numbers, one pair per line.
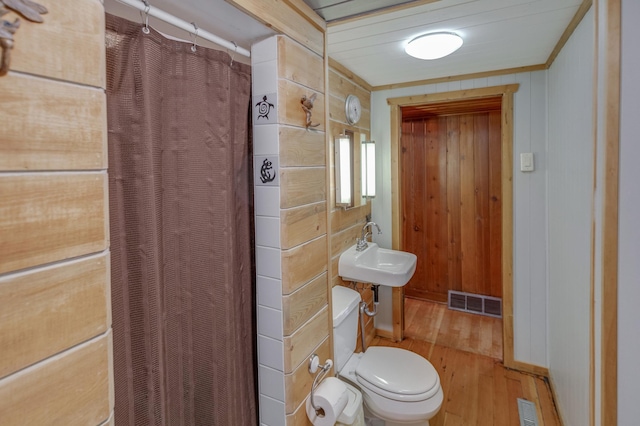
177, 22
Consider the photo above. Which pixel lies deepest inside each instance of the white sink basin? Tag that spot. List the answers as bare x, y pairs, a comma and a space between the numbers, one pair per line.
376, 265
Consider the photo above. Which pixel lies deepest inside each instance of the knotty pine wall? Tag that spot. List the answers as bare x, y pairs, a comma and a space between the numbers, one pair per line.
55, 316
346, 224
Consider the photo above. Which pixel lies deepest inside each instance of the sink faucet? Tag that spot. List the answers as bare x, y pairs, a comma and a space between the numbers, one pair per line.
361, 243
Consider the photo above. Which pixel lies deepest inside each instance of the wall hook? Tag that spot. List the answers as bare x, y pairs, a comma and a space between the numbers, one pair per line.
307, 106
28, 10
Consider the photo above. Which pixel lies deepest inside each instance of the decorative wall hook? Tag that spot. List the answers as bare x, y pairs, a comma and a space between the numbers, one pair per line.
307, 106
25, 8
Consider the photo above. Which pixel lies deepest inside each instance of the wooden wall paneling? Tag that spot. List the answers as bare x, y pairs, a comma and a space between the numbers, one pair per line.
468, 235
299, 346
340, 87
290, 110
303, 263
441, 238
296, 63
49, 217
495, 204
344, 239
68, 46
453, 203
304, 303
416, 231
71, 388
302, 148
481, 169
301, 224
45, 311
342, 219
285, 19
336, 66
507, 229
302, 185
610, 211
298, 383
299, 417
65, 128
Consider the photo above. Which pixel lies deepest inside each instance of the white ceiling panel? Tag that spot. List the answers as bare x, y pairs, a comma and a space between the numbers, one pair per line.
498, 34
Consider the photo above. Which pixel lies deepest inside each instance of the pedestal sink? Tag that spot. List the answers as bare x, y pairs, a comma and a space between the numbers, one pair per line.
377, 265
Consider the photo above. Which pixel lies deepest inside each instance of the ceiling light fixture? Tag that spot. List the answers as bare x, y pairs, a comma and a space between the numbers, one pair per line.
434, 45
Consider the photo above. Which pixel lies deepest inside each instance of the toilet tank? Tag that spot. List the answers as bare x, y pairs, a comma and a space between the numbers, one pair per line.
345, 302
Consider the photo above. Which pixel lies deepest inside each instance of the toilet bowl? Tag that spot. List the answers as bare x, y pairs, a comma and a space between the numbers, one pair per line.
398, 386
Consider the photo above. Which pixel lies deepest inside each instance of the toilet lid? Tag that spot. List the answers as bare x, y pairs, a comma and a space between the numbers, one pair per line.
397, 374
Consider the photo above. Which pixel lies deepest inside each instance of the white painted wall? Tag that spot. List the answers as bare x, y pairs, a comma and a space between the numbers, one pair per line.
530, 273
629, 242
570, 193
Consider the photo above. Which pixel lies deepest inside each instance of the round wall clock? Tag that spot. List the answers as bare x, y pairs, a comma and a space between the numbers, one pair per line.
352, 109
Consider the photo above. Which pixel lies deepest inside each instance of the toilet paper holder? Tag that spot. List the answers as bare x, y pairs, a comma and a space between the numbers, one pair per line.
314, 364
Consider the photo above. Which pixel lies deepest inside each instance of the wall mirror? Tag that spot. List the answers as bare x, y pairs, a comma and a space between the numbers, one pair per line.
354, 174
344, 170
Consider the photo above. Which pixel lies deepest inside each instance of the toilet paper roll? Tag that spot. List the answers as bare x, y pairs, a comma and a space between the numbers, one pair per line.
331, 396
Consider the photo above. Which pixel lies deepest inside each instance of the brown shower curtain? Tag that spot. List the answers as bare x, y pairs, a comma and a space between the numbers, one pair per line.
180, 206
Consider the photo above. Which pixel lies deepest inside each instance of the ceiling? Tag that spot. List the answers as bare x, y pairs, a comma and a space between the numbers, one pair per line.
498, 34
368, 36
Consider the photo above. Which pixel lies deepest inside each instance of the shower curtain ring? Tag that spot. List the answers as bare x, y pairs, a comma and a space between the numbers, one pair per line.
234, 53
195, 38
147, 7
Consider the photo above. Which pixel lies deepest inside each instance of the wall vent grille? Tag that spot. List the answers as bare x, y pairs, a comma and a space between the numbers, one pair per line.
527, 412
474, 303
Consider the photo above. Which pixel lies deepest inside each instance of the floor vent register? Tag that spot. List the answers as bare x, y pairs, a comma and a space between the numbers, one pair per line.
475, 303
527, 411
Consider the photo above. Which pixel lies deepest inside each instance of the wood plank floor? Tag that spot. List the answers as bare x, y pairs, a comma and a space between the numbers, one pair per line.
466, 350
434, 322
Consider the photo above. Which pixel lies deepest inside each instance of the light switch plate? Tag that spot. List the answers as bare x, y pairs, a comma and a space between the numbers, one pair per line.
526, 162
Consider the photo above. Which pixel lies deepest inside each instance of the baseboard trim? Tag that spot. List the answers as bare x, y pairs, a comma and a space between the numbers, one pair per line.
554, 395
528, 368
384, 333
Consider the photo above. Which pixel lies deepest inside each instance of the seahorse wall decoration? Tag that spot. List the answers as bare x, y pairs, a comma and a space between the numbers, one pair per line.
307, 106
25, 8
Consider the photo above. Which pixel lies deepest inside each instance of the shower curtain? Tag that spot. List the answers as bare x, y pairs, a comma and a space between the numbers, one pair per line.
181, 243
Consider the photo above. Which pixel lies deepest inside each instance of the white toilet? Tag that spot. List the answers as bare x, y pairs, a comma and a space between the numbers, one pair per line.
399, 387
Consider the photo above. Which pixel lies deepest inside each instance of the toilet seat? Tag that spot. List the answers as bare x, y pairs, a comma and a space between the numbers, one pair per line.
397, 374
395, 397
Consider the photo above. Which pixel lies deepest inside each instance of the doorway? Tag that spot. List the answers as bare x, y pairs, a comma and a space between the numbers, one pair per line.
505, 94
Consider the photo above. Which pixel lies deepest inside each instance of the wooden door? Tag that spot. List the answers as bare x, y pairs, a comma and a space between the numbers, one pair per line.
451, 202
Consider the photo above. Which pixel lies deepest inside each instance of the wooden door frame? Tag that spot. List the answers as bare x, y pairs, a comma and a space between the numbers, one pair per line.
506, 91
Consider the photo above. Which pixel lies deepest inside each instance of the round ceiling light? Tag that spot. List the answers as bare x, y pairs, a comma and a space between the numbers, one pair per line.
434, 45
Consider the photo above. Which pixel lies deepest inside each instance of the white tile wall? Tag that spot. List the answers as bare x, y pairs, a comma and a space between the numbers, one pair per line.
265, 50
270, 322
271, 353
264, 64
265, 77
271, 411
269, 292
265, 140
267, 201
271, 383
268, 231
268, 262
